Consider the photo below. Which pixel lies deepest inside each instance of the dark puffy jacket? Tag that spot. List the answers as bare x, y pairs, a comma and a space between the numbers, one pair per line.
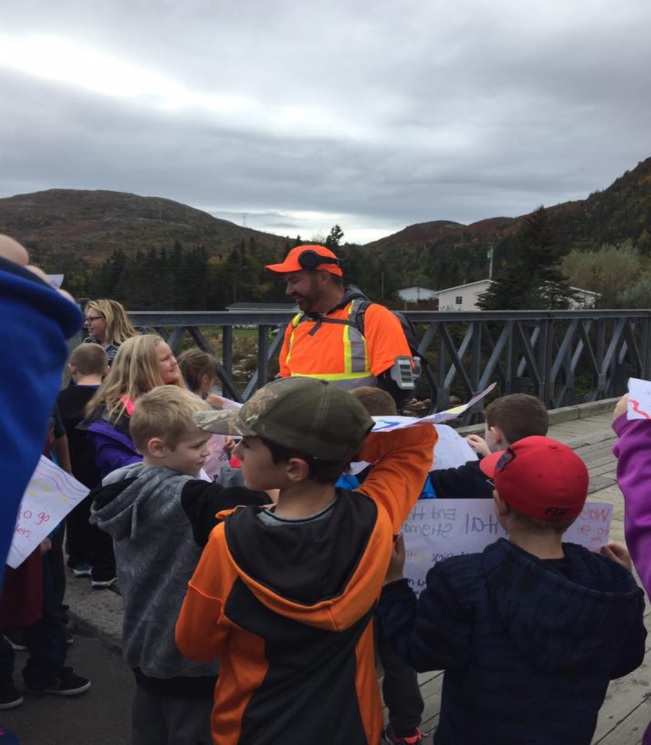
528, 650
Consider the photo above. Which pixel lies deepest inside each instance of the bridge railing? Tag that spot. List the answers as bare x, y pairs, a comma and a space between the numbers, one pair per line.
562, 357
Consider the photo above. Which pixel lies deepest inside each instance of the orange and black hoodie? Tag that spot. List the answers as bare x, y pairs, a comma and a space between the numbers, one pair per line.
288, 608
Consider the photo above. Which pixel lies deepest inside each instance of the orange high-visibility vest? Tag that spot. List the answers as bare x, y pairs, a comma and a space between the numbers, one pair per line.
330, 348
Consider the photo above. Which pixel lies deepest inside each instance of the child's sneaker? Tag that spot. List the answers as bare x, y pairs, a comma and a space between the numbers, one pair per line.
10, 698
80, 569
390, 739
67, 683
16, 639
103, 584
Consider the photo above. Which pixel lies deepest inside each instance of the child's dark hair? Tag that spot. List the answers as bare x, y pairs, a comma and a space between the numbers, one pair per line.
321, 471
518, 415
536, 525
195, 363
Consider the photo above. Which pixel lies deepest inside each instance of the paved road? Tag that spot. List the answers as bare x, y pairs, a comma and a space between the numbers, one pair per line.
99, 717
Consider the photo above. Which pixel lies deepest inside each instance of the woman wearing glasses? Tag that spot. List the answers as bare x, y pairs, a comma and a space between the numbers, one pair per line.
107, 324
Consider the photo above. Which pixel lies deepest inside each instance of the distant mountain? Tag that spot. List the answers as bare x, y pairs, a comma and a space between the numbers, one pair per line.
92, 224
622, 212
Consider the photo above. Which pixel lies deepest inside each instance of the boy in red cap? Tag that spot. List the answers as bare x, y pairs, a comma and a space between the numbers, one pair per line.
530, 631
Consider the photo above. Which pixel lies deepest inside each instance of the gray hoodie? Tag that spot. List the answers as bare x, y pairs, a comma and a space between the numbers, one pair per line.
156, 556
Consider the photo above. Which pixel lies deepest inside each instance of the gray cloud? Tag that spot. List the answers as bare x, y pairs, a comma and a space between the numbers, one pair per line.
373, 117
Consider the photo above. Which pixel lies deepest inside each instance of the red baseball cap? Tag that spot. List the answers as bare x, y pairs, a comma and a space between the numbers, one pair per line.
540, 478
308, 257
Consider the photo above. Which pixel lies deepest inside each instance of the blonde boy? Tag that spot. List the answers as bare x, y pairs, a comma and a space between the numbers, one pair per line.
145, 508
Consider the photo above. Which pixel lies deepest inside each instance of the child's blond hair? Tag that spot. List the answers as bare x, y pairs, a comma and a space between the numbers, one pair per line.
134, 372
89, 359
165, 412
375, 400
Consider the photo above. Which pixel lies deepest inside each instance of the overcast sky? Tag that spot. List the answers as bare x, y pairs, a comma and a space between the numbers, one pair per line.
293, 116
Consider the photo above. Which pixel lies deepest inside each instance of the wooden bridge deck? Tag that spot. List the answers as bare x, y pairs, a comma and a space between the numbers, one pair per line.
627, 709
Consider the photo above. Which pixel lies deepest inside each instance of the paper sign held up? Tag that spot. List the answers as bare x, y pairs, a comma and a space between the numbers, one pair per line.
639, 399
49, 497
439, 528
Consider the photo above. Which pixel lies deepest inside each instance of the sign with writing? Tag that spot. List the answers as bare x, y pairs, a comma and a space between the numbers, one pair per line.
639, 399
49, 497
439, 528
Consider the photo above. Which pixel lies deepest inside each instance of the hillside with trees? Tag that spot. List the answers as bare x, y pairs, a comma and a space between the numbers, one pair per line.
153, 253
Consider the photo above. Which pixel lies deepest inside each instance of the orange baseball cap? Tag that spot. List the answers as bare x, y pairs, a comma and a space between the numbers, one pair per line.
309, 257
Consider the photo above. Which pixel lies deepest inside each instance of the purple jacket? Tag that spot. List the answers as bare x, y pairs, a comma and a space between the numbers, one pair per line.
633, 453
114, 447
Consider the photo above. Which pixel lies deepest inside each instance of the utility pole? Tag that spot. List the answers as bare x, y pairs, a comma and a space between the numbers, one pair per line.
489, 256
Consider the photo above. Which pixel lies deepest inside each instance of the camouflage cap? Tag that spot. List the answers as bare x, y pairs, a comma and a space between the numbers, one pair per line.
303, 414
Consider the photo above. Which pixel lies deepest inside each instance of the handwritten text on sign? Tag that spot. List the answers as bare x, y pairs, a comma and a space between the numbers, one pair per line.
439, 528
49, 497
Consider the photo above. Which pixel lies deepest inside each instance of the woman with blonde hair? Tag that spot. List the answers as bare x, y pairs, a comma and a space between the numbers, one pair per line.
107, 324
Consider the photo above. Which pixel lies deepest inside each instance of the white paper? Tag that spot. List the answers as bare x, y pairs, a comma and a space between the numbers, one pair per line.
391, 423
49, 497
439, 528
451, 449
639, 399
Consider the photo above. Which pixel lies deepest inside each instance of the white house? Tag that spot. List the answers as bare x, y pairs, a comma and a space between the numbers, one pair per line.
465, 297
416, 294
462, 297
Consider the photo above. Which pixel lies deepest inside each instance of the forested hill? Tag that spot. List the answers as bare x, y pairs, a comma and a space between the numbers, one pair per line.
90, 225
151, 252
442, 254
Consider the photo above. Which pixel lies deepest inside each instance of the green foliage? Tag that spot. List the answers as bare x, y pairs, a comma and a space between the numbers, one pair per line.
610, 270
334, 238
530, 276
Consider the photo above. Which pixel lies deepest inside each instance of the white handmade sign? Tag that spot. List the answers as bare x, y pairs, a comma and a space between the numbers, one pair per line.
639, 399
49, 497
439, 528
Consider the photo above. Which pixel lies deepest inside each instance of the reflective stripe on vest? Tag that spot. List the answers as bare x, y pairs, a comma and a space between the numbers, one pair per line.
355, 359
343, 381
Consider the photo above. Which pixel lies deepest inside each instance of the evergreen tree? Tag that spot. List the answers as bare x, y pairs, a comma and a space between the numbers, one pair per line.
530, 277
334, 238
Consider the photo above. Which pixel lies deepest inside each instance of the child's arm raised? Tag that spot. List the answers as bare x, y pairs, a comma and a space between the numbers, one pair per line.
401, 461
202, 501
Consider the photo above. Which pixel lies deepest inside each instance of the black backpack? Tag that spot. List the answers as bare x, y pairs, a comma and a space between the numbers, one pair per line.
408, 330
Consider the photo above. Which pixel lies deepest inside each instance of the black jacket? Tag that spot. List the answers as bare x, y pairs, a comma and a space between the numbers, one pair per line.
528, 647
465, 482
